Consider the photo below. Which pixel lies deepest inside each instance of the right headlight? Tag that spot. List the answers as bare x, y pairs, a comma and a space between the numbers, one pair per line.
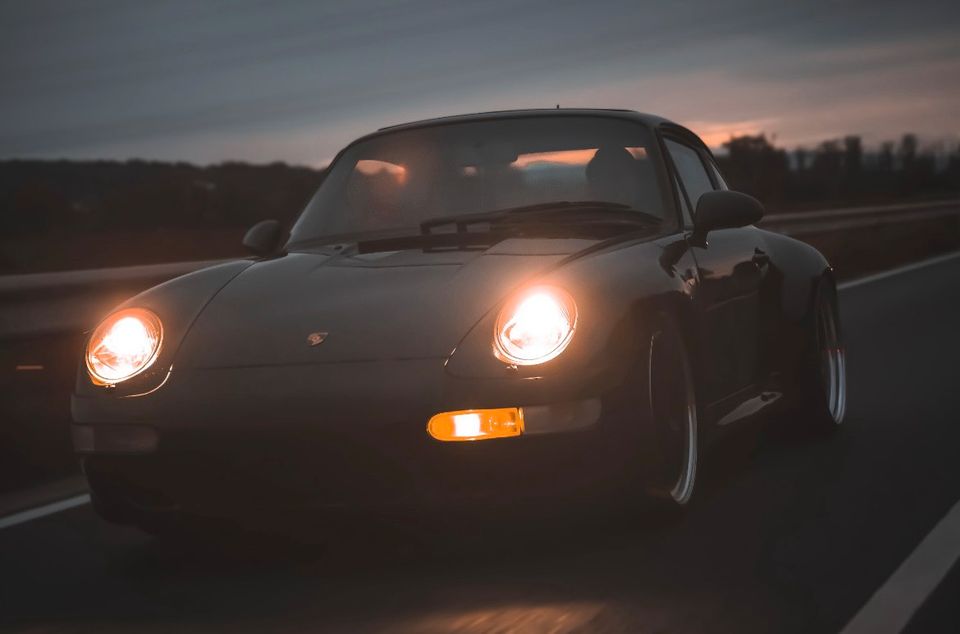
124, 344
536, 326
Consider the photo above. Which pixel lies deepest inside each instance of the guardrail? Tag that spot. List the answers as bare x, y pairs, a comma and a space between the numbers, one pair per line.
807, 222
57, 303
40, 304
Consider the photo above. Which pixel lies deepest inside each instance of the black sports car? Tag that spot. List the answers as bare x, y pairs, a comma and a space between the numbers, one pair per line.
495, 306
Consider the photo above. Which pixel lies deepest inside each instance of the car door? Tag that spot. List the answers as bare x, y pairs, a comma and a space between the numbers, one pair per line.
731, 265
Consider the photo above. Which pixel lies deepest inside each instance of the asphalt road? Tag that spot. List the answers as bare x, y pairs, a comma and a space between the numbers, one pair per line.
791, 533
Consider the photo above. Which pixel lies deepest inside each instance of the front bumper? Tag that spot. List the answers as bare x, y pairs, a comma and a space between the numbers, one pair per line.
229, 441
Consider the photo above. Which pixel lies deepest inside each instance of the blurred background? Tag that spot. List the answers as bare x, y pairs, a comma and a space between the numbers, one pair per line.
143, 133
150, 132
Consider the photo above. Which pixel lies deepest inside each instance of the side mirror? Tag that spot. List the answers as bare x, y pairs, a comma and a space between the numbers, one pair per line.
724, 210
263, 238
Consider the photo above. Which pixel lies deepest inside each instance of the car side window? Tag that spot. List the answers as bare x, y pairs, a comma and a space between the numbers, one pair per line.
717, 176
690, 170
685, 210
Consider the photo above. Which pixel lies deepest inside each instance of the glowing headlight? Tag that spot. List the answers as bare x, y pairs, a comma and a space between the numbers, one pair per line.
123, 345
535, 327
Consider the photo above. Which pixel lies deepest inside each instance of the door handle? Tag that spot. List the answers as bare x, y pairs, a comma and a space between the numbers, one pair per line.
760, 258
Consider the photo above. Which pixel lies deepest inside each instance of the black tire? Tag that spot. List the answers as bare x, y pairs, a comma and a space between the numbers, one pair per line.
167, 525
189, 529
822, 378
110, 508
657, 409
114, 509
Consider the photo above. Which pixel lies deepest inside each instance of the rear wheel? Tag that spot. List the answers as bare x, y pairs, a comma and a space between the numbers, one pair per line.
823, 378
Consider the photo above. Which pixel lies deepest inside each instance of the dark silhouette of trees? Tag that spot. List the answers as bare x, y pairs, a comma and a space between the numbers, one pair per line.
885, 161
756, 166
908, 150
827, 170
801, 156
852, 157
68, 214
838, 172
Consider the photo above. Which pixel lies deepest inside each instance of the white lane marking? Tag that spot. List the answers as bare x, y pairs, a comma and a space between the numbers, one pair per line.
41, 511
891, 607
897, 271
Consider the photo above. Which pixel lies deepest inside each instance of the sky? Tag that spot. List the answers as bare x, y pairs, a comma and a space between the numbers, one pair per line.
293, 81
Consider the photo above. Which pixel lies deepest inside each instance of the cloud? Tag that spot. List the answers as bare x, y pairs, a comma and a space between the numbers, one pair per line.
295, 80
716, 133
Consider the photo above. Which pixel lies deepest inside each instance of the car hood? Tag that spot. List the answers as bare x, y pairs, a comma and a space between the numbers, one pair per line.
378, 306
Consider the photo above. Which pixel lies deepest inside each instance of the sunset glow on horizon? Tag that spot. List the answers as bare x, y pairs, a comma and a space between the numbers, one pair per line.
174, 81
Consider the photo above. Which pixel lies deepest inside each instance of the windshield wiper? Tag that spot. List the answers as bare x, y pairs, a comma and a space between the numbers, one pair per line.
581, 212
557, 215
372, 242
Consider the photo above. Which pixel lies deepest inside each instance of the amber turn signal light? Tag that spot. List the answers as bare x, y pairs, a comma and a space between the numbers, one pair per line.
477, 424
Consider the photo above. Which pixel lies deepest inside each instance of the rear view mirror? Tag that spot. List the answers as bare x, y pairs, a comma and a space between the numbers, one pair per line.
263, 238
724, 210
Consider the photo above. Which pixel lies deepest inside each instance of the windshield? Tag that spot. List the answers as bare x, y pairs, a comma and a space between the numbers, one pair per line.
398, 180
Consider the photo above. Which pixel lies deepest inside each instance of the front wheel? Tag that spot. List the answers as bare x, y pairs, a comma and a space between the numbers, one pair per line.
110, 508
656, 413
672, 415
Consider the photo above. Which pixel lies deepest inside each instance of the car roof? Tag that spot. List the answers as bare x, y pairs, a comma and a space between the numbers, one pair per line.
612, 113
648, 120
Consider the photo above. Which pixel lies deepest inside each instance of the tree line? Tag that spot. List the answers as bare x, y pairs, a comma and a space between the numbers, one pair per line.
86, 214
839, 172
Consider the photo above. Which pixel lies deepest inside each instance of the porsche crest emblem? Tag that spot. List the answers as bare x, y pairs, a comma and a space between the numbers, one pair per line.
316, 338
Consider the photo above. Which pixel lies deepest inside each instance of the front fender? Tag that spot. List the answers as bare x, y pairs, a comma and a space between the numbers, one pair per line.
612, 289
177, 302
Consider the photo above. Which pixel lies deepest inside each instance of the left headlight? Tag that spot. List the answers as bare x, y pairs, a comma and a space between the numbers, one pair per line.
536, 326
124, 344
